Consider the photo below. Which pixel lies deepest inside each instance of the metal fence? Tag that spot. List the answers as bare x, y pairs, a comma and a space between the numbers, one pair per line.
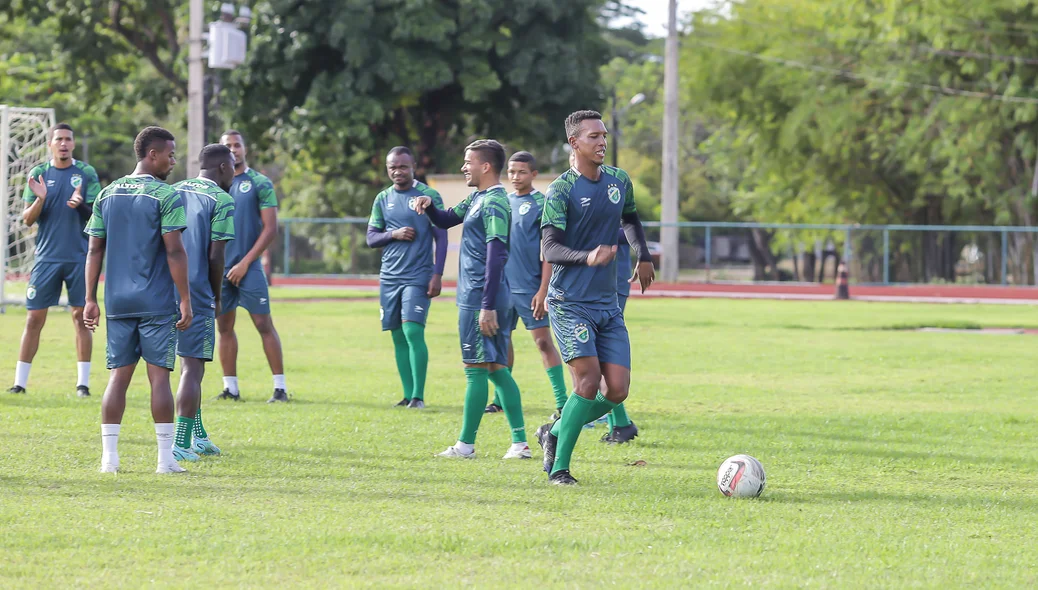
742, 252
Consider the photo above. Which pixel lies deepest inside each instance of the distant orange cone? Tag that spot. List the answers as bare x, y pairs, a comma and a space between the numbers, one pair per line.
843, 290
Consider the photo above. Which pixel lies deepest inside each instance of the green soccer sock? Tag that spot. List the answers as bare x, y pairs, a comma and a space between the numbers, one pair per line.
610, 421
575, 415
199, 430
558, 385
618, 417
419, 357
403, 361
182, 435
475, 402
508, 389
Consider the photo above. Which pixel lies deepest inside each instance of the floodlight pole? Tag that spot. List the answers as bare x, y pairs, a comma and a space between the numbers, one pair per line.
195, 93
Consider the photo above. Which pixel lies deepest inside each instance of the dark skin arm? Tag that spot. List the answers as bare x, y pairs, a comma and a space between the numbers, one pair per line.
216, 261
176, 256
539, 305
95, 257
269, 216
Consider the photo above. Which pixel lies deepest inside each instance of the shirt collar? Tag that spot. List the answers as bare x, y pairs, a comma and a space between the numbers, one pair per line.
209, 180
498, 185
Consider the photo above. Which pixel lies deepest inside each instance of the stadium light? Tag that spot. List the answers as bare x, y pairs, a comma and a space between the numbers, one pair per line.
617, 116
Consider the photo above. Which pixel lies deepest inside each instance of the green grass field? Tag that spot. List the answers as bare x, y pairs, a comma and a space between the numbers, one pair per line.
894, 459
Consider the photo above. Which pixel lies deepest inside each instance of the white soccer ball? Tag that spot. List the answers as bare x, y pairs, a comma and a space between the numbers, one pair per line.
741, 476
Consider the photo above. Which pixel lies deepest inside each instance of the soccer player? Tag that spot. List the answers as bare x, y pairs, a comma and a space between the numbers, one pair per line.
621, 428
135, 229
58, 197
210, 224
483, 296
528, 275
583, 208
245, 285
408, 279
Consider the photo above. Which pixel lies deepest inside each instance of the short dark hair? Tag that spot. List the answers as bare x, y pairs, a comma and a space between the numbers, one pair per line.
574, 120
526, 158
490, 151
400, 151
233, 132
213, 155
147, 138
64, 126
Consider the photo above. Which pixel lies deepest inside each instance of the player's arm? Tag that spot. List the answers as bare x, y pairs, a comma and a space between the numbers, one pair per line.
444, 219
88, 192
440, 256
377, 235
95, 228
220, 232
644, 273
35, 195
553, 234
173, 223
216, 264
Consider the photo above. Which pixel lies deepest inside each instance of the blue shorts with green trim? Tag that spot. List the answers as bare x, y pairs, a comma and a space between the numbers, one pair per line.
476, 348
585, 331
45, 283
153, 338
197, 341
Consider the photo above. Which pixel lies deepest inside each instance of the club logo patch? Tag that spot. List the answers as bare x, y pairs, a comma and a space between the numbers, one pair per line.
581, 333
76, 181
411, 203
614, 194
524, 208
381, 314
245, 186
30, 293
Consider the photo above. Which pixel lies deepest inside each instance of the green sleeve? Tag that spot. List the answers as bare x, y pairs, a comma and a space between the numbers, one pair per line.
629, 206
538, 198
496, 217
377, 220
172, 210
91, 184
556, 204
267, 198
96, 225
27, 194
222, 228
463, 207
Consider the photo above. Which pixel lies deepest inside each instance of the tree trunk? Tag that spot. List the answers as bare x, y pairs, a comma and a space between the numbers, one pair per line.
762, 242
808, 261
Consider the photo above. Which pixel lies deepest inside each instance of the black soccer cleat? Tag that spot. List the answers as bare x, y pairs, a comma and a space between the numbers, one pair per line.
416, 404
16, 389
82, 391
607, 437
548, 442
402, 403
625, 434
562, 478
493, 409
227, 395
280, 395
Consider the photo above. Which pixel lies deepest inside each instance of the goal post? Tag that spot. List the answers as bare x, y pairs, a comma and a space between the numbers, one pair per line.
23, 144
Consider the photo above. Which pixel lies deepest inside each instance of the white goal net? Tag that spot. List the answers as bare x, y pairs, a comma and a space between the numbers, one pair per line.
23, 143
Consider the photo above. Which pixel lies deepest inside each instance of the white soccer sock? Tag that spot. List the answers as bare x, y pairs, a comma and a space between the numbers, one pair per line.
83, 374
21, 374
164, 437
110, 444
464, 447
231, 383
279, 382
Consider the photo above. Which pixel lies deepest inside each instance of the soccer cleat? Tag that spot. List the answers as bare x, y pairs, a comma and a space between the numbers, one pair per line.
234, 397
562, 478
204, 446
416, 404
82, 391
556, 415
452, 452
16, 389
493, 409
402, 403
182, 454
280, 395
607, 437
109, 468
621, 435
523, 453
548, 441
169, 468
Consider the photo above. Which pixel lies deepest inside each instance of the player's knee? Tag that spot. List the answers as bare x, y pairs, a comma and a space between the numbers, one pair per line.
544, 344
77, 316
264, 324
586, 384
34, 321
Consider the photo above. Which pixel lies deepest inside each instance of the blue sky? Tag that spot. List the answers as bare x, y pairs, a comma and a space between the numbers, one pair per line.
655, 17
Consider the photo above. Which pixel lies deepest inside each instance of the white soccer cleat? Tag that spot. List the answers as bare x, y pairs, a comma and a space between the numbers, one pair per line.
518, 452
452, 452
173, 467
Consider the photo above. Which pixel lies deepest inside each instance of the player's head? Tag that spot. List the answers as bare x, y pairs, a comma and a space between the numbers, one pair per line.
586, 134
522, 169
235, 141
62, 142
484, 160
217, 164
400, 167
156, 151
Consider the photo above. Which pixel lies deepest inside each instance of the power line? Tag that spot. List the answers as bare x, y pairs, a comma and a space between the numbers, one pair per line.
865, 78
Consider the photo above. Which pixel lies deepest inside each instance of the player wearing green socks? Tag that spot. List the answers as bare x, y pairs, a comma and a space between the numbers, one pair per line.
409, 277
621, 429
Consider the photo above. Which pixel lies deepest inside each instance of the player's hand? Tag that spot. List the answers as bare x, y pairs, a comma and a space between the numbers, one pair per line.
539, 304
435, 286
644, 274
91, 315
237, 273
488, 322
38, 187
186, 315
421, 204
601, 255
404, 234
76, 200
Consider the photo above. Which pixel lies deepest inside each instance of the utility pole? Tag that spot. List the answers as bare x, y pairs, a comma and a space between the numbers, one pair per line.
195, 93
669, 231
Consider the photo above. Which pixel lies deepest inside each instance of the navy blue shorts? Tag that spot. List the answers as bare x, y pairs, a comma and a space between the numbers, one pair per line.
476, 348
582, 331
196, 342
153, 338
402, 303
521, 303
251, 293
45, 284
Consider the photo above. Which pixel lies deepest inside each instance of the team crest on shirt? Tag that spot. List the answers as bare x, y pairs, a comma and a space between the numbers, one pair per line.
614, 194
412, 203
76, 181
524, 208
30, 293
245, 186
581, 333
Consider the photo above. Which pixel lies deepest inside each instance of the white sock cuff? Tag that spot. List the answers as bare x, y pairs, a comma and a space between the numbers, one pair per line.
110, 429
231, 383
279, 382
162, 429
21, 374
83, 373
